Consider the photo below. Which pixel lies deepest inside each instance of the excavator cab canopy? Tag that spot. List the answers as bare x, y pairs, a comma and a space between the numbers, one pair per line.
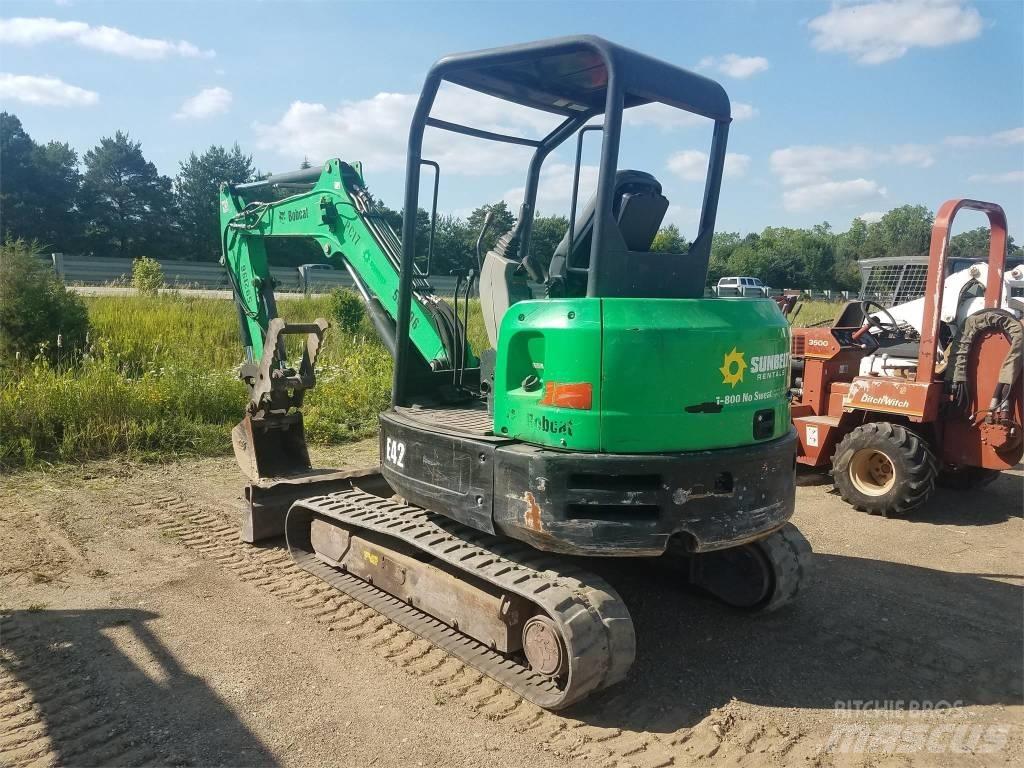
579, 78
573, 75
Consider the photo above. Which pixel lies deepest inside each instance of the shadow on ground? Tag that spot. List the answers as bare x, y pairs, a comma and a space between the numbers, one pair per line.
98, 706
992, 504
862, 630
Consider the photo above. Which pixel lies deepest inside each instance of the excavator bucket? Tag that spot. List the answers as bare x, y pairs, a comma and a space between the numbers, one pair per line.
270, 442
270, 447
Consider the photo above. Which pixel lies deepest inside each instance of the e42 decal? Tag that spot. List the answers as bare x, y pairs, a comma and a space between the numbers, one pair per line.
394, 452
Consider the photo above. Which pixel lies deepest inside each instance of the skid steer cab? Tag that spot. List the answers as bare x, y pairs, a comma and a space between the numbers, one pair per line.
616, 411
901, 397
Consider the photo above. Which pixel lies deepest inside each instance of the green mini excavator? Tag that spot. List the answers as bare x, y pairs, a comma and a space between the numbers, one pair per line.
618, 412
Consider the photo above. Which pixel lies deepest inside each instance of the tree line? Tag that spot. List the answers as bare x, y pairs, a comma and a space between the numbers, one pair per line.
112, 201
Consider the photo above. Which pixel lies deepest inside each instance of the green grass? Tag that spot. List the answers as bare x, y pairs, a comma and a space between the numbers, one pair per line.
812, 312
161, 382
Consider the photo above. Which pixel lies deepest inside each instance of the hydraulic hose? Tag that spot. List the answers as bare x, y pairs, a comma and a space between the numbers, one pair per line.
1001, 321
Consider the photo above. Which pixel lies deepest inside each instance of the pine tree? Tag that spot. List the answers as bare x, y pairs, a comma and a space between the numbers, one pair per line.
128, 205
196, 189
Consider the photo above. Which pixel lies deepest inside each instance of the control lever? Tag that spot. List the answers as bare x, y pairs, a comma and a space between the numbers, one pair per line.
480, 240
459, 273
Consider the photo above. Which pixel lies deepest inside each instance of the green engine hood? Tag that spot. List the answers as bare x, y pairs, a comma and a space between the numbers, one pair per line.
642, 375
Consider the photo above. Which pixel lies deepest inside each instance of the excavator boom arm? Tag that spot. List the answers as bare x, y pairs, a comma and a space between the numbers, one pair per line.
334, 209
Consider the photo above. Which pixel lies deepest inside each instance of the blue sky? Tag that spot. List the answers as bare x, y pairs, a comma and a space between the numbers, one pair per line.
841, 109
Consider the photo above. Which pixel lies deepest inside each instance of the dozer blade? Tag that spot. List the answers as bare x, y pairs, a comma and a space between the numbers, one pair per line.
268, 500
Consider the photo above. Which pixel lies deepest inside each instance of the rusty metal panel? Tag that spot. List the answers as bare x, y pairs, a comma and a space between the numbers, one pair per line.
816, 439
915, 400
817, 342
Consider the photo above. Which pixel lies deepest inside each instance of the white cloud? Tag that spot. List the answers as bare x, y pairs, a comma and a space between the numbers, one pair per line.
736, 165
44, 91
661, 116
682, 216
375, 130
828, 194
689, 164
734, 65
25, 31
807, 164
815, 164
1008, 177
872, 217
33, 31
914, 155
741, 111
876, 32
1012, 136
809, 173
554, 191
207, 103
668, 118
1000, 138
692, 164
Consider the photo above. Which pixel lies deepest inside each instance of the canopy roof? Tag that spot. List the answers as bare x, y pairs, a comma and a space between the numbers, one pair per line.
570, 75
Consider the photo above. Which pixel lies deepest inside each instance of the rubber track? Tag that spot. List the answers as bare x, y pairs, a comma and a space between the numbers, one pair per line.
592, 618
789, 553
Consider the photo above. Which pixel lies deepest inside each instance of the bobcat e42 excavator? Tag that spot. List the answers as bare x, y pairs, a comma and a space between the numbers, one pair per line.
620, 415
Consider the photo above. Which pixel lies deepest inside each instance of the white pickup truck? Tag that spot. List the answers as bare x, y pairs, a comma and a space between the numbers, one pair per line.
747, 287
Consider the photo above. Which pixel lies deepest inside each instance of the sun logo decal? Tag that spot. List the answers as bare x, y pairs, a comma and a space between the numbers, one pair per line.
732, 368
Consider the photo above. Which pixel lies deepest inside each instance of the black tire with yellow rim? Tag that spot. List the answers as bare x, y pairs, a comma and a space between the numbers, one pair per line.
884, 469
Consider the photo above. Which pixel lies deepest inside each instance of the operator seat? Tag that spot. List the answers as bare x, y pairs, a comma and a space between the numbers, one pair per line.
638, 207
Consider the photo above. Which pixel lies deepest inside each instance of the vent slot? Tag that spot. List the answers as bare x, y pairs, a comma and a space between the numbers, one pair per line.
613, 513
764, 424
798, 345
581, 481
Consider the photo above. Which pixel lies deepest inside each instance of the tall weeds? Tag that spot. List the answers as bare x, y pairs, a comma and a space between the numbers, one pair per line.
159, 379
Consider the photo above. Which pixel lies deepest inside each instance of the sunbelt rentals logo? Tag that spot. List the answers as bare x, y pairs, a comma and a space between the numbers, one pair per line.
733, 366
763, 366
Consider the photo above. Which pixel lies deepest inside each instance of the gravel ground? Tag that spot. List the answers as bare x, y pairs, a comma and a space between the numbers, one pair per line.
135, 629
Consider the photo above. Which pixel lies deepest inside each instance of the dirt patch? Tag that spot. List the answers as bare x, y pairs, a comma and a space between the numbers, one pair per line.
138, 629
